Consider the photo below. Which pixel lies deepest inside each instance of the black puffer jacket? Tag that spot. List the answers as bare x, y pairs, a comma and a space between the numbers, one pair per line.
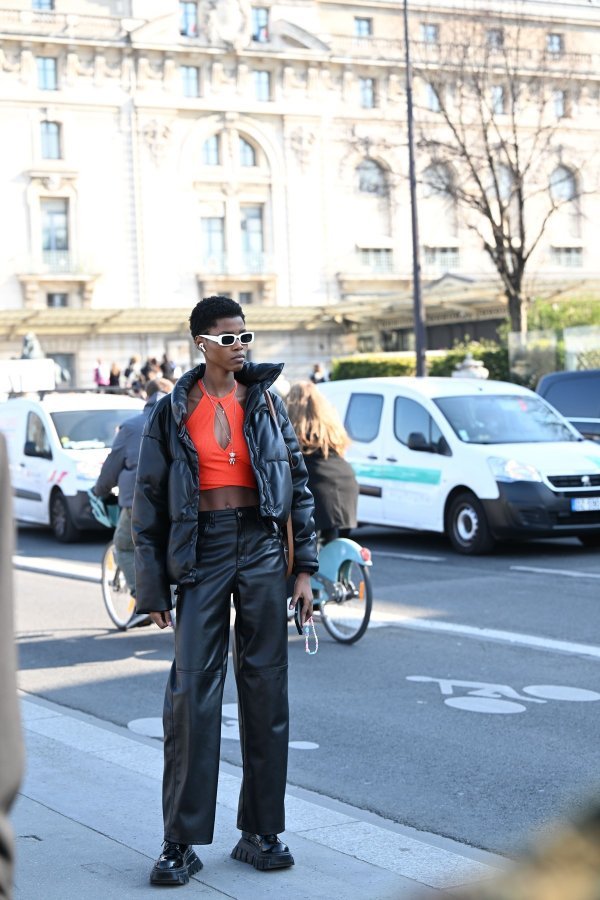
167, 493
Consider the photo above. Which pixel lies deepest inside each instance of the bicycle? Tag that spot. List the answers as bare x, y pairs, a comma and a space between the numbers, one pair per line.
342, 590
118, 600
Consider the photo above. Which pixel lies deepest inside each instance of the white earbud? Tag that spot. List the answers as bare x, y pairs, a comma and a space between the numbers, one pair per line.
201, 346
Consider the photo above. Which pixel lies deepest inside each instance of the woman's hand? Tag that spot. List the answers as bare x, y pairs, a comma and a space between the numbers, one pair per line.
162, 619
303, 594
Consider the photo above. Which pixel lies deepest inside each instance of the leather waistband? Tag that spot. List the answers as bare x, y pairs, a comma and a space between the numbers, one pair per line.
236, 512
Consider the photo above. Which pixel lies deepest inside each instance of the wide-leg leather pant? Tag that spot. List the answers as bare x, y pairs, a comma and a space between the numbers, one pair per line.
238, 553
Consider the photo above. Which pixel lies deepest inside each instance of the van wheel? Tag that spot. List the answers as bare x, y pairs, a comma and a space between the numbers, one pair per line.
61, 522
589, 540
467, 525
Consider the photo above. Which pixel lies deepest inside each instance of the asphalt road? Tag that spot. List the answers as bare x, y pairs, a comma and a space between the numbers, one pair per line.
480, 737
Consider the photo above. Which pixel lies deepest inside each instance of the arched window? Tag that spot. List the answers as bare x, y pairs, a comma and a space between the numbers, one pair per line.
247, 153
211, 151
439, 207
563, 186
371, 178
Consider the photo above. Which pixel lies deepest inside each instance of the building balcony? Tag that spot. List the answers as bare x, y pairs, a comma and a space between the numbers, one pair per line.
55, 264
61, 25
245, 264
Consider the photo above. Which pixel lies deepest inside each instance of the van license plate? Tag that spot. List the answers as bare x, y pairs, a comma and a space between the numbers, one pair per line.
585, 504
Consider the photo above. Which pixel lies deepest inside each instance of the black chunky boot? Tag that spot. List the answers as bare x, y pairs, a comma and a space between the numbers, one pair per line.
263, 851
175, 865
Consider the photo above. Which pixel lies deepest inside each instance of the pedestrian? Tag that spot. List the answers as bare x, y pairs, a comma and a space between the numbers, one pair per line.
324, 441
318, 374
11, 741
101, 373
114, 378
167, 367
119, 469
218, 475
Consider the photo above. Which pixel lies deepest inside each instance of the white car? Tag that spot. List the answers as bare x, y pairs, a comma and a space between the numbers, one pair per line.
56, 448
476, 460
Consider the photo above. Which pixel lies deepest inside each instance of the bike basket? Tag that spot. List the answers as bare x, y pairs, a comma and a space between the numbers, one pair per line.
104, 511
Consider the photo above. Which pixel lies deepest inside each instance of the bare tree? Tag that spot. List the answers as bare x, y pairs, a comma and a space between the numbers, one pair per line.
492, 140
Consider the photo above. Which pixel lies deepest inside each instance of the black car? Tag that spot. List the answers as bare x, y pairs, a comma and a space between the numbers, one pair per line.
577, 396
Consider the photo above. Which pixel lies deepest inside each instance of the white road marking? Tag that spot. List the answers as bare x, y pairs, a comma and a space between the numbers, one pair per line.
490, 634
569, 573
414, 556
484, 697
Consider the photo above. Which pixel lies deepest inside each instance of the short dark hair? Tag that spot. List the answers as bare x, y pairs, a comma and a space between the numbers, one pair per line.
206, 312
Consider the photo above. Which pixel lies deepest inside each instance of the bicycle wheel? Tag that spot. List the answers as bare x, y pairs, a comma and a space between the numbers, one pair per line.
119, 603
346, 616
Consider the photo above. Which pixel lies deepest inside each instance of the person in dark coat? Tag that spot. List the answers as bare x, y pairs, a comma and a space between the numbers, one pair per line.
119, 470
218, 476
324, 441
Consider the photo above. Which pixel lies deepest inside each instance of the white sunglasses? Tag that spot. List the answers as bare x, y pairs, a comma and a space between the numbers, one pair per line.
228, 340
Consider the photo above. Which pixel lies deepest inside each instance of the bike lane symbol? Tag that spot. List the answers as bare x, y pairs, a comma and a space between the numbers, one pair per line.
484, 697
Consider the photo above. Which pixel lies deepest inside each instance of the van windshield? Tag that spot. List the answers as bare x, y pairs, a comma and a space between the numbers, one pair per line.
89, 429
500, 419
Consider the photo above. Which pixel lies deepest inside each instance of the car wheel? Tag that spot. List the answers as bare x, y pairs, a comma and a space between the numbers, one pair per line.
61, 522
467, 526
589, 540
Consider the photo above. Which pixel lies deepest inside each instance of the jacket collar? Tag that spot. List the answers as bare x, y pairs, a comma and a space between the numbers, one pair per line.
254, 375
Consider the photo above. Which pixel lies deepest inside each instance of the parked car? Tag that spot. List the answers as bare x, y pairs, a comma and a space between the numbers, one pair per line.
477, 460
56, 448
577, 396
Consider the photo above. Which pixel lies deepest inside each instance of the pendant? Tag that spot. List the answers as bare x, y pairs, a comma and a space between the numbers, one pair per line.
232, 457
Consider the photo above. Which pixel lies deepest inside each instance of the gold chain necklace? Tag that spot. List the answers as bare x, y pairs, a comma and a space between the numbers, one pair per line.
223, 420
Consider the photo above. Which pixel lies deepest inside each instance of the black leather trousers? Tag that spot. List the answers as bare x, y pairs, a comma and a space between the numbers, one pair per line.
237, 553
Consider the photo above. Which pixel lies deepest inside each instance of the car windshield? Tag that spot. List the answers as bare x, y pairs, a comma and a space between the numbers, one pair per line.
89, 429
504, 419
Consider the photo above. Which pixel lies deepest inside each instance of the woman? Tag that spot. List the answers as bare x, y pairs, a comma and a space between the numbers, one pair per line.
214, 488
324, 441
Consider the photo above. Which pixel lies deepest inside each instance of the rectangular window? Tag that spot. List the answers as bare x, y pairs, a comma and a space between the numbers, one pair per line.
211, 151
57, 301
363, 27
559, 103
55, 232
567, 257
432, 100
377, 259
50, 140
495, 38
213, 243
260, 24
498, 99
430, 33
190, 79
45, 5
47, 71
442, 257
252, 237
555, 43
245, 297
188, 19
262, 85
367, 92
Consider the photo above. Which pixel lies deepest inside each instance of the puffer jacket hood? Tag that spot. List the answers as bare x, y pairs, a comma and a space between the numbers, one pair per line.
167, 492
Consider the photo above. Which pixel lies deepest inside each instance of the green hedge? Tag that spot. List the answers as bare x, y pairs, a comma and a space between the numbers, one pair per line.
370, 365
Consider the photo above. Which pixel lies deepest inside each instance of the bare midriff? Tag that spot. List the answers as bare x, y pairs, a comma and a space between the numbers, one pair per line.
227, 498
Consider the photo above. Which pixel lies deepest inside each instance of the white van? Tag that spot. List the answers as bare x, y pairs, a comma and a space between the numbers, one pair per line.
476, 460
56, 448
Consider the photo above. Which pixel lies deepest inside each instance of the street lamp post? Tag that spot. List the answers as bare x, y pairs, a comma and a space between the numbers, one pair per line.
419, 321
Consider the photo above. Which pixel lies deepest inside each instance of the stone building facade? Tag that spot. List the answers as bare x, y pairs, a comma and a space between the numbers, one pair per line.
158, 151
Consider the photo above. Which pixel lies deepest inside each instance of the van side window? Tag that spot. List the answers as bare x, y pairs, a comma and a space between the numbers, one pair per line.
36, 437
410, 417
363, 417
576, 397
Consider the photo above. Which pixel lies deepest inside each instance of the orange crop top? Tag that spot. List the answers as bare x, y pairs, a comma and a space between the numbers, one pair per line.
215, 468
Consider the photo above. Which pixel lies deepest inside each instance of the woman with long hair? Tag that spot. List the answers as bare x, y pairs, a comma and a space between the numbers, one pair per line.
324, 441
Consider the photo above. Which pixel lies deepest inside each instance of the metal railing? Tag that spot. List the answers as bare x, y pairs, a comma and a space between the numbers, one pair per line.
55, 262
246, 264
